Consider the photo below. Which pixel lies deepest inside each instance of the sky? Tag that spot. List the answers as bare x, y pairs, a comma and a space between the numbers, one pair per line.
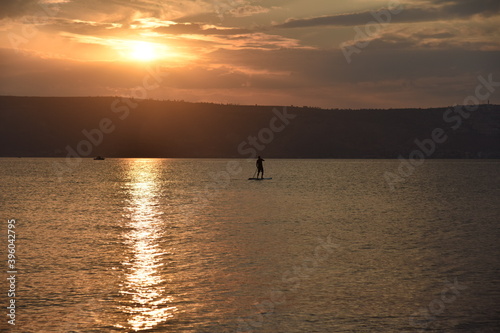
322, 53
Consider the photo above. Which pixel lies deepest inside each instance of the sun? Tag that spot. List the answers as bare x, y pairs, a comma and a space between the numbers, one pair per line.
144, 51
139, 51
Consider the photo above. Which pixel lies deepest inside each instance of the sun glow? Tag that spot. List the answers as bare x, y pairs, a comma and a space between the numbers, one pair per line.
145, 51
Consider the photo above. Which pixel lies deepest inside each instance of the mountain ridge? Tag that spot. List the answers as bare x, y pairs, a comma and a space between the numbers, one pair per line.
58, 127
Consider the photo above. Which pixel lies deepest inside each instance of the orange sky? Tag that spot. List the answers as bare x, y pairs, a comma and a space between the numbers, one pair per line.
345, 53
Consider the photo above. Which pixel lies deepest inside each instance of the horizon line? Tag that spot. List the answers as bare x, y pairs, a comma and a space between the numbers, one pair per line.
259, 105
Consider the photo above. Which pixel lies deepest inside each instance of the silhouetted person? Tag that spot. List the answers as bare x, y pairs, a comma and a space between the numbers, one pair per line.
260, 167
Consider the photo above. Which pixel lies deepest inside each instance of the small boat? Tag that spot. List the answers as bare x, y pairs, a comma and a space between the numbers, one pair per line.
99, 158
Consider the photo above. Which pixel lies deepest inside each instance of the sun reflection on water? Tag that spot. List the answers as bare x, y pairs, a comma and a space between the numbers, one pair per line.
147, 303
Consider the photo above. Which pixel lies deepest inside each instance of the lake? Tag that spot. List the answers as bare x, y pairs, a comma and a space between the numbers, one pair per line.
191, 245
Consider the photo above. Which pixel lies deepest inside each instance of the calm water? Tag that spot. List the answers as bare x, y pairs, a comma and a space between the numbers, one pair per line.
158, 245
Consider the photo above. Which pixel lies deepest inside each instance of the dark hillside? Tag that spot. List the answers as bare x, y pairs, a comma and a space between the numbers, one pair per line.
36, 126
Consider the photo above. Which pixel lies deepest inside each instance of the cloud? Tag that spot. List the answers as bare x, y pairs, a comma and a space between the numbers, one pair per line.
466, 8
435, 35
15, 8
434, 63
113, 11
198, 29
248, 10
380, 77
476, 34
433, 11
324, 68
80, 27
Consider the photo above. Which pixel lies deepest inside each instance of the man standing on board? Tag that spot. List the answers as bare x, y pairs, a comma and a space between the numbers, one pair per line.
260, 167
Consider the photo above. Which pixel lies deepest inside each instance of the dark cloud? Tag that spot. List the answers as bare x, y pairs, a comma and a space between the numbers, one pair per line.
437, 35
15, 8
122, 10
152, 7
435, 10
465, 8
248, 10
388, 59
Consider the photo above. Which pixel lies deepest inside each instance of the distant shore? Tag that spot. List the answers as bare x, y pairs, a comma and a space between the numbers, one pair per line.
117, 127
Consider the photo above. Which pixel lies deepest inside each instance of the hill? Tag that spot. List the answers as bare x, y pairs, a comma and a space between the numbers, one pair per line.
117, 127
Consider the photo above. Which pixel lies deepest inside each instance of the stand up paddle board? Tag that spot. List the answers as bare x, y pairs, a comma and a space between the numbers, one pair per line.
259, 178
